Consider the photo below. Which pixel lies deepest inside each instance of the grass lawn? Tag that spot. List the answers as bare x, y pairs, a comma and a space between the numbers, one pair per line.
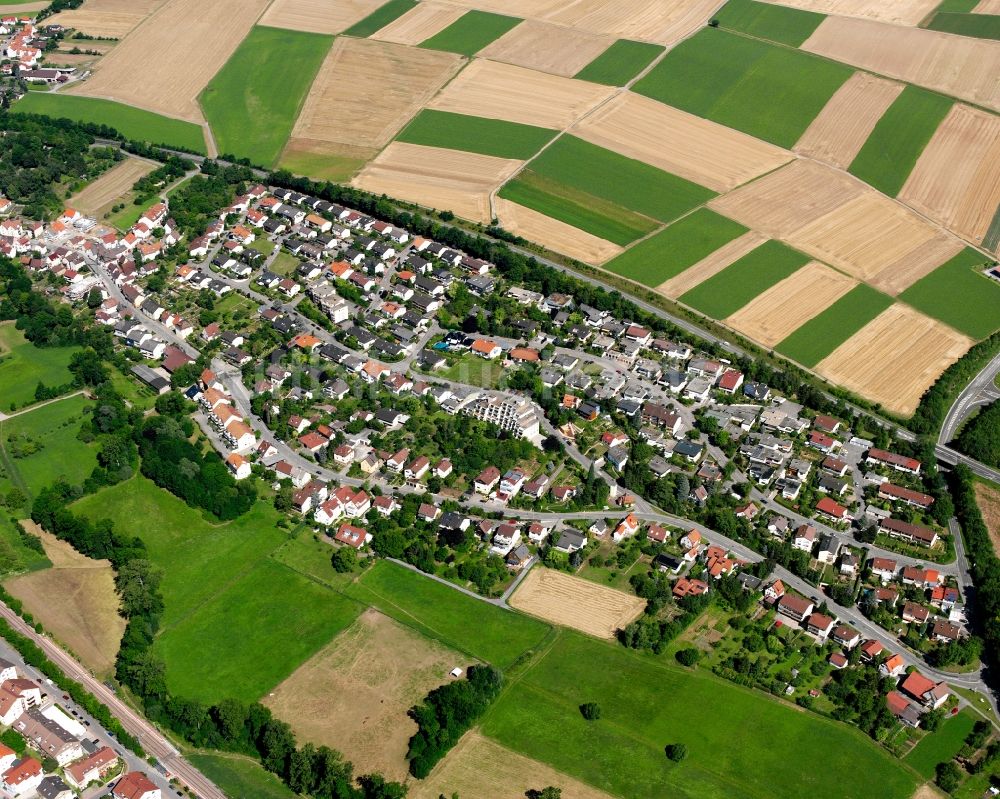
674, 249
959, 295
240, 777
620, 63
471, 32
14, 555
732, 288
730, 732
765, 21
475, 134
766, 90
474, 371
23, 366
129, 215
284, 263
311, 558
941, 745
826, 331
137, 394
468, 625
254, 100
980, 26
891, 151
132, 123
321, 166
380, 17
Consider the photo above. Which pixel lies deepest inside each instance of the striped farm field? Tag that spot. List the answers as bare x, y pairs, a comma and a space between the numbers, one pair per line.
475, 134
959, 295
547, 47
789, 26
620, 63
676, 248
471, 32
380, 17
318, 16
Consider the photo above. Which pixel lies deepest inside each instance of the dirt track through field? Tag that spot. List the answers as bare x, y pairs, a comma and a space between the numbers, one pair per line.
318, 16
958, 65
547, 48
553, 233
956, 180
898, 12
114, 18
894, 358
191, 41
711, 265
571, 601
419, 23
772, 316
840, 130
110, 186
442, 179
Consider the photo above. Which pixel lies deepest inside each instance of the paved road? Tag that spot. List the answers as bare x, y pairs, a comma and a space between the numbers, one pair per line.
980, 391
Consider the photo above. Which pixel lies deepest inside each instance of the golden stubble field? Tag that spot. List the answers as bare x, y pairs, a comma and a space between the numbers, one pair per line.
898, 12
113, 184
114, 18
553, 233
547, 48
318, 16
419, 23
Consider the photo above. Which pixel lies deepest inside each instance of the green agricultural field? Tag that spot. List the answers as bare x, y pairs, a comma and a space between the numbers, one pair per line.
942, 745
620, 63
959, 295
647, 704
992, 238
239, 777
765, 21
471, 32
475, 134
830, 328
468, 625
732, 288
767, 90
980, 26
381, 17
23, 366
254, 100
674, 249
133, 123
891, 151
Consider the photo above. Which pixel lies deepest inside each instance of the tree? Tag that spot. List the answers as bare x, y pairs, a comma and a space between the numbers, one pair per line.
591, 711
688, 656
344, 560
676, 752
932, 719
948, 776
545, 793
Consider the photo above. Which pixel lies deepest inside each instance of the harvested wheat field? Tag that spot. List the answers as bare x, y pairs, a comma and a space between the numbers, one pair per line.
956, 180
75, 601
958, 65
115, 18
111, 185
574, 602
419, 23
701, 151
547, 48
644, 20
988, 499
840, 130
772, 316
192, 41
446, 180
23, 8
987, 7
711, 265
366, 91
839, 220
353, 694
898, 12
895, 358
479, 768
503, 91
60, 59
318, 16
553, 234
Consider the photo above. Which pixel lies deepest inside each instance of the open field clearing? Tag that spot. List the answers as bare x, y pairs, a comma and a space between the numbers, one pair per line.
353, 695
775, 23
240, 777
898, 12
553, 234
571, 601
23, 366
192, 40
988, 499
723, 76
450, 180
475, 134
895, 358
471, 32
110, 186
503, 91
647, 703
112, 18
957, 177
842, 222
318, 16
620, 63
963, 67
134, 123
828, 329
419, 24
365, 92
478, 768
700, 151
681, 245
843, 126
775, 314
483, 631
547, 48
888, 156
959, 294
253, 102
75, 601
711, 265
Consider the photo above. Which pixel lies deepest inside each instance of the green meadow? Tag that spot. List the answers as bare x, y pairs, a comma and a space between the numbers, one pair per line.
23, 366
959, 295
620, 63
943, 745
475, 134
766, 21
471, 32
979, 26
381, 17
